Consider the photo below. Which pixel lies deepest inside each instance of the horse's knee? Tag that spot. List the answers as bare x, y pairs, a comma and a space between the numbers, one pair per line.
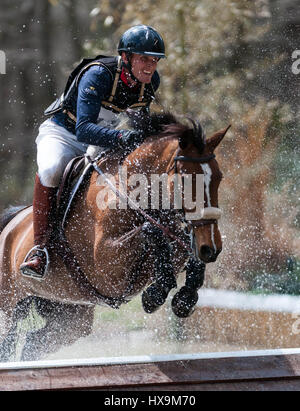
155, 295
151, 233
195, 271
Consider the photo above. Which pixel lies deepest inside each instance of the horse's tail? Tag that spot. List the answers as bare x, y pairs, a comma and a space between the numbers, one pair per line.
9, 214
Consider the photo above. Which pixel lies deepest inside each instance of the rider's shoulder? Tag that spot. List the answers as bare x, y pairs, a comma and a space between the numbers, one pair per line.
96, 73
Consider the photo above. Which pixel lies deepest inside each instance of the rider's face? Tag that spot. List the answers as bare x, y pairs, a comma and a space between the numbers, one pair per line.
143, 67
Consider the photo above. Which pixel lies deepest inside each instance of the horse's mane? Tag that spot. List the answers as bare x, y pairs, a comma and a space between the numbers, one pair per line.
165, 124
158, 126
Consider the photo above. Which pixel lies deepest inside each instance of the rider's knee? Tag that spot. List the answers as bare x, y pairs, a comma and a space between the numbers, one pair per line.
50, 173
50, 176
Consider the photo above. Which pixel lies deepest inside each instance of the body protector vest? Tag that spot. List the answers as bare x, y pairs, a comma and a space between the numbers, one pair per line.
119, 99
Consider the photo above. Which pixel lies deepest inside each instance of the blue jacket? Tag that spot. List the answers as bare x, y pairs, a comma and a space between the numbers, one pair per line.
94, 87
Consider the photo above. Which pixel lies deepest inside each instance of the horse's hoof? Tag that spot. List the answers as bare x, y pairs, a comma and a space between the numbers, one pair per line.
184, 301
153, 297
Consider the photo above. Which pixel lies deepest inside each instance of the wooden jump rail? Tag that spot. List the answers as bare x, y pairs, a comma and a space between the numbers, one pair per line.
242, 370
222, 317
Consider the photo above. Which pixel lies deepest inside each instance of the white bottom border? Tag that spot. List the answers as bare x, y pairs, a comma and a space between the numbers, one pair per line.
102, 361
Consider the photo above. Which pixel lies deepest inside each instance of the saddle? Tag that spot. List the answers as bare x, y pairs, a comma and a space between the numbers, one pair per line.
71, 173
75, 179
76, 175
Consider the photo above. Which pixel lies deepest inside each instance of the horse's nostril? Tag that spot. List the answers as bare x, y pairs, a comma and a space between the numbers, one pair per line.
206, 252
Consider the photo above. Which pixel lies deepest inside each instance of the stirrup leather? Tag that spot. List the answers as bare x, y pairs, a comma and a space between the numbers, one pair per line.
39, 252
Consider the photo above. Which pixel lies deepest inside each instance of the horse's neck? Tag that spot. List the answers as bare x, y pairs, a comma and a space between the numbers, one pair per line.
88, 221
153, 157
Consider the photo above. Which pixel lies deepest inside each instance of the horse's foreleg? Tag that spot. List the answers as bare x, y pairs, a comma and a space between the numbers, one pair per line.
185, 299
164, 279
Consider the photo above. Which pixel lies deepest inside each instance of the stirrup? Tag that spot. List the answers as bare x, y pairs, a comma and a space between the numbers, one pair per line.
27, 272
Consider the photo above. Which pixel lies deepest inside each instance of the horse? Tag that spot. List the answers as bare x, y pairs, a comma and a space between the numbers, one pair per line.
108, 255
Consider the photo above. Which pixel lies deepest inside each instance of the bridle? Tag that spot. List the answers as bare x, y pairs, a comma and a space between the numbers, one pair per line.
191, 224
204, 159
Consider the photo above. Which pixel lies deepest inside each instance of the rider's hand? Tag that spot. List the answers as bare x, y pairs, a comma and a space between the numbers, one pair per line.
130, 139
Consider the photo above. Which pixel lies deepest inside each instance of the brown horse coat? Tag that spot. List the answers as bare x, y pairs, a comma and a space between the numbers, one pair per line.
108, 244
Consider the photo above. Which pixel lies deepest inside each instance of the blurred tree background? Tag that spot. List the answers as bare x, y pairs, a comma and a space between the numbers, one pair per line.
229, 61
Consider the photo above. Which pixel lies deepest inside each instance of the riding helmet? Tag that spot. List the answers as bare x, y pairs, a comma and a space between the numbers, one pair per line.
142, 39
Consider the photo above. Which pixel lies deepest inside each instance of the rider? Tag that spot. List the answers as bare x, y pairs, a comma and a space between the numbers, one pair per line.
96, 92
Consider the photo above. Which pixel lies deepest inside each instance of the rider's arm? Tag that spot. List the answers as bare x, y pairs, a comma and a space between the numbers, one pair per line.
94, 86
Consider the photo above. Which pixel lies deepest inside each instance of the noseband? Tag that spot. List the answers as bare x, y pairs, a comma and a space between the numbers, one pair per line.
204, 159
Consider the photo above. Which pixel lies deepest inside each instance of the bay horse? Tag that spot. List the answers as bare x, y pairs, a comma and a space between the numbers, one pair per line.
114, 254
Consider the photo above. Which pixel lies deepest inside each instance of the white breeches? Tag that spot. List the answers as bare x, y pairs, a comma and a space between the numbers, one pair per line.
56, 146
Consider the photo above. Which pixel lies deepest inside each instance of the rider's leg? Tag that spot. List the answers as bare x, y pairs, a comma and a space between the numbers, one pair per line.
55, 148
43, 210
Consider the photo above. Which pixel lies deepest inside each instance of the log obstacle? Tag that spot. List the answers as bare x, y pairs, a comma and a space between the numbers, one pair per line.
247, 320
268, 323
251, 370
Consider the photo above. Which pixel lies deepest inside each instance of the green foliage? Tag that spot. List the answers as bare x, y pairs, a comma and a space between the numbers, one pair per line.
281, 283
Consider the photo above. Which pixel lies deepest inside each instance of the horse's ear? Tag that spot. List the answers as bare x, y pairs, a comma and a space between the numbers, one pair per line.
213, 141
186, 138
183, 141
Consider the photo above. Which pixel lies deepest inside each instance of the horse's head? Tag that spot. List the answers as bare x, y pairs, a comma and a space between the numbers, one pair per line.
195, 155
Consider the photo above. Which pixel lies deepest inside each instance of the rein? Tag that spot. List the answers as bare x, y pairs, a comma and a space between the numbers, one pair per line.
165, 230
124, 197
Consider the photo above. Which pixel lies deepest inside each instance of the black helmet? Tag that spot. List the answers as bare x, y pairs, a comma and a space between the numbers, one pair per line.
142, 40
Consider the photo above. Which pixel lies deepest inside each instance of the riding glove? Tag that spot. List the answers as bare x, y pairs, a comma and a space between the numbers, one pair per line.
130, 139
